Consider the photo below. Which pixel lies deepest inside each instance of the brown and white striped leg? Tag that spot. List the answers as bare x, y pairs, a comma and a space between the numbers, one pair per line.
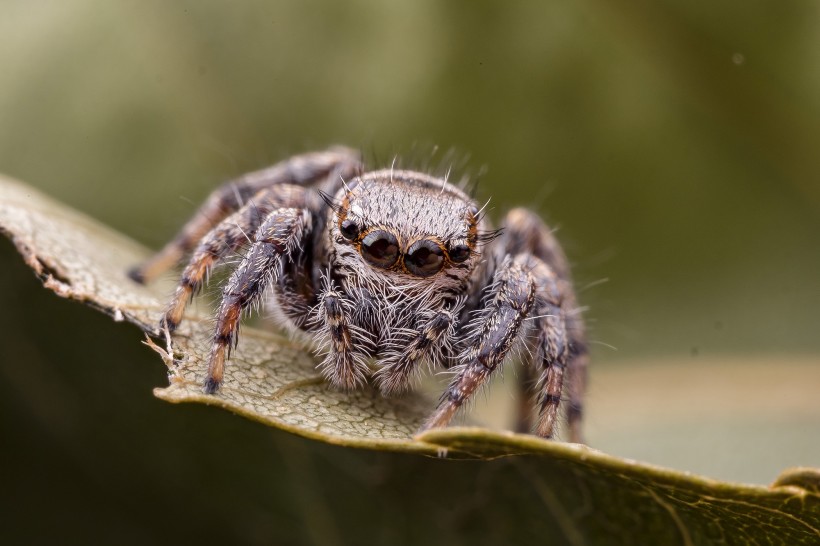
233, 232
577, 364
527, 379
551, 346
526, 233
283, 231
231, 196
395, 376
500, 325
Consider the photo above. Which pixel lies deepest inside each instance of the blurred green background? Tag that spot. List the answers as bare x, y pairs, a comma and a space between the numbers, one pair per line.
672, 142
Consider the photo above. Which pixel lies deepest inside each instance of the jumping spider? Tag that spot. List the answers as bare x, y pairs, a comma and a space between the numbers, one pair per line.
393, 266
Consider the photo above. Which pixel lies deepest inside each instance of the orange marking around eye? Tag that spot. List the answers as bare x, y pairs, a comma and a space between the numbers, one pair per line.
472, 230
343, 209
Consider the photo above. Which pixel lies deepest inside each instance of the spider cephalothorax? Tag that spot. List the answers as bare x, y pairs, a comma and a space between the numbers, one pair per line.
404, 248
393, 267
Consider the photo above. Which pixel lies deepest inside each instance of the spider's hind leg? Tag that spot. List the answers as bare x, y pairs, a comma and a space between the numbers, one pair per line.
301, 170
551, 344
228, 236
525, 233
281, 234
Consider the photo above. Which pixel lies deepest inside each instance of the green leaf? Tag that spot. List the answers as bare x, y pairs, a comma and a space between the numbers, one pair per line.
593, 498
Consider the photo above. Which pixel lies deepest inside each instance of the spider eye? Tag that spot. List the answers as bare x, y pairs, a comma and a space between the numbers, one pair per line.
459, 253
424, 258
380, 248
349, 229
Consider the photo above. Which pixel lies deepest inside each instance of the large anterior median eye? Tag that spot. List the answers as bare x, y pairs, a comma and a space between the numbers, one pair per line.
424, 258
380, 248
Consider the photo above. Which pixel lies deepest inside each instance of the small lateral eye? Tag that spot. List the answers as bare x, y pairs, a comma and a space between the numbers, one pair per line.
459, 253
349, 229
424, 258
380, 248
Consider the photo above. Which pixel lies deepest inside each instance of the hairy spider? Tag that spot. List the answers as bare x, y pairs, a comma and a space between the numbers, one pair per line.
391, 266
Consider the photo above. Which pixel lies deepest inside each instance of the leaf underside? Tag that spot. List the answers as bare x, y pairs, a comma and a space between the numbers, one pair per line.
274, 380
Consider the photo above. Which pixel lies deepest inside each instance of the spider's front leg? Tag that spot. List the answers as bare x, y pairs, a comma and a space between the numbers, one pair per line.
283, 232
526, 234
502, 318
552, 344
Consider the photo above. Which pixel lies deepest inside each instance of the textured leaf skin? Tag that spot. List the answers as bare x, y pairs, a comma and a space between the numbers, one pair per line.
587, 497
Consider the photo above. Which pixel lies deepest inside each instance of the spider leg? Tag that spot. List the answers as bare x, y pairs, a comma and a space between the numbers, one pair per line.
344, 365
395, 376
228, 236
513, 295
577, 365
551, 343
282, 232
301, 170
526, 233
527, 378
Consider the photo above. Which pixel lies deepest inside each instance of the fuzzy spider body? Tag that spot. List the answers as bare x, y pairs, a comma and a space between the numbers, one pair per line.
394, 267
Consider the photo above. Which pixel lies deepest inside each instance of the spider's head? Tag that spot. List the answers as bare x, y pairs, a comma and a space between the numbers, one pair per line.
408, 223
